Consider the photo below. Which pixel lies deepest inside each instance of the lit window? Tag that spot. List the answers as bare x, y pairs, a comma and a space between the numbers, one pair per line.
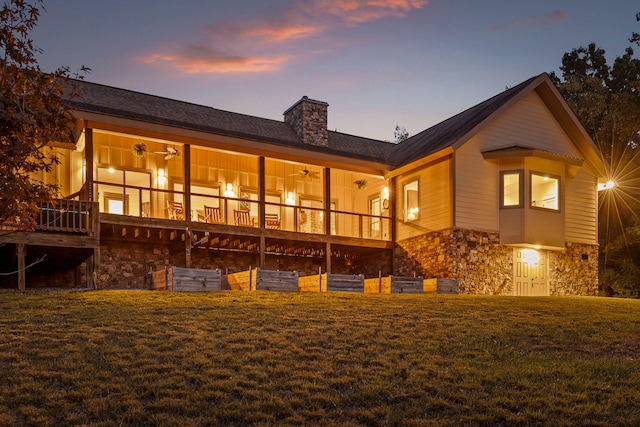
545, 192
411, 201
511, 189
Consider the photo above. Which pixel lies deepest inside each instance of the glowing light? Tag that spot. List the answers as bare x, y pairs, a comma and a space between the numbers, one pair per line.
531, 255
229, 191
111, 169
290, 199
606, 186
162, 179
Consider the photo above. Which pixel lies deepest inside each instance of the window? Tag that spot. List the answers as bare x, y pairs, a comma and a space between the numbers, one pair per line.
545, 191
511, 189
411, 201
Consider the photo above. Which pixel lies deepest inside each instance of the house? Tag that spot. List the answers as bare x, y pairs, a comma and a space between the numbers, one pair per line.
501, 197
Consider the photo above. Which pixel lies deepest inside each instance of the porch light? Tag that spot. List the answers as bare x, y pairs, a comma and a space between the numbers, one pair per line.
606, 186
162, 179
385, 193
229, 191
290, 199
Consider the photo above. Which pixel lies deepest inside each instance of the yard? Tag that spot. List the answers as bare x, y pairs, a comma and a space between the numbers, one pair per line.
114, 358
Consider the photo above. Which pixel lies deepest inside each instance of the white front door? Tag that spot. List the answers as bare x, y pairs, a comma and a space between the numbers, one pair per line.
530, 272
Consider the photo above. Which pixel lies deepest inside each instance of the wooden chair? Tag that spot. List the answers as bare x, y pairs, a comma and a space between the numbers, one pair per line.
212, 215
243, 218
175, 211
271, 221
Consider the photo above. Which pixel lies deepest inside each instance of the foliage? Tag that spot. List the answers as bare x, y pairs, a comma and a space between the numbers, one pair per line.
635, 37
400, 134
606, 99
33, 113
269, 358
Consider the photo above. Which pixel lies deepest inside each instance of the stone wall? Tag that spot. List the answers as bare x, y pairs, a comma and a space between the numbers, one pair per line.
574, 271
125, 264
483, 266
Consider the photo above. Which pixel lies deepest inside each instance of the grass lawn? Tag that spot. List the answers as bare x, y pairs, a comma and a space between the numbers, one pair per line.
113, 358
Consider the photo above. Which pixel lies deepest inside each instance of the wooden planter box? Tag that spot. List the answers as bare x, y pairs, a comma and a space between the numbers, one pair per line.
441, 286
331, 283
394, 285
267, 280
186, 280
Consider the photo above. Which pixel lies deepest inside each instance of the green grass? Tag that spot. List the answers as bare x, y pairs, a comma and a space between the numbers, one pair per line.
112, 358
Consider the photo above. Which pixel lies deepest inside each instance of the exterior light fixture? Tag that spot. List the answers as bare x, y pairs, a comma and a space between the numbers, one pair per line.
606, 186
229, 191
290, 199
162, 179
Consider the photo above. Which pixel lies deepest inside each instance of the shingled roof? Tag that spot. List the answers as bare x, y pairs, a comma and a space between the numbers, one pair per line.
111, 101
128, 104
448, 132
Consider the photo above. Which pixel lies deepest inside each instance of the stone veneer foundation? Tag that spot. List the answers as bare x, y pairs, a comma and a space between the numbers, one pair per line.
126, 264
483, 266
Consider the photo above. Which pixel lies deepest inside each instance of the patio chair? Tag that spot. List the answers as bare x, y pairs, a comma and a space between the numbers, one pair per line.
175, 211
212, 215
271, 221
243, 218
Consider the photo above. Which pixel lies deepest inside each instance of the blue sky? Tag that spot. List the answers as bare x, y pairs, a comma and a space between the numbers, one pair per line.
378, 63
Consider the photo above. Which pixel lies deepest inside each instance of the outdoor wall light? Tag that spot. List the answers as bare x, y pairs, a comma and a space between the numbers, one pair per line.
606, 186
229, 191
290, 199
162, 179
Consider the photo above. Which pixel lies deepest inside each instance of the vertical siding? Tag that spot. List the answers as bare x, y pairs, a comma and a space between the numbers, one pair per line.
435, 200
581, 209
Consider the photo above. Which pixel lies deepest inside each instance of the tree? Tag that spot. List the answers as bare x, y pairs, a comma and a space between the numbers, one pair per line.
33, 112
606, 99
400, 134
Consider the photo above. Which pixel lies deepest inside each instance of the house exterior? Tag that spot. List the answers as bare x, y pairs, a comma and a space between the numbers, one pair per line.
501, 197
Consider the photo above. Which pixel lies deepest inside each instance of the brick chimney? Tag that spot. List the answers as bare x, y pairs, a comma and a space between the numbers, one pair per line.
308, 118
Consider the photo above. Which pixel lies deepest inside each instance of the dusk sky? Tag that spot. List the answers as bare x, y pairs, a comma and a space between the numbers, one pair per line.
378, 63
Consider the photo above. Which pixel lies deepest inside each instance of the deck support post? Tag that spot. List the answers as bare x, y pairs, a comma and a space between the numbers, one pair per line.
92, 264
328, 258
262, 250
21, 252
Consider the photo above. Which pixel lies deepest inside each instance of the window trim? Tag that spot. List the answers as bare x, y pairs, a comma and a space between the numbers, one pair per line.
520, 173
544, 175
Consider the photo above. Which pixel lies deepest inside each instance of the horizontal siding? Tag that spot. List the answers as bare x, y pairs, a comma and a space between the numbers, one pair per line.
435, 200
581, 212
476, 188
528, 123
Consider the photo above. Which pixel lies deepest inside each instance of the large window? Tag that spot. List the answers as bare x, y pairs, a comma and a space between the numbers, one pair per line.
411, 201
511, 189
545, 191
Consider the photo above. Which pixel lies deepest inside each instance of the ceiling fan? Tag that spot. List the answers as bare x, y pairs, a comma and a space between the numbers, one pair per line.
169, 154
306, 173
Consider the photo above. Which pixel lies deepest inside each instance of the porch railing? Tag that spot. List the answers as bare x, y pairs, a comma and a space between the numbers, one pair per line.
71, 216
155, 203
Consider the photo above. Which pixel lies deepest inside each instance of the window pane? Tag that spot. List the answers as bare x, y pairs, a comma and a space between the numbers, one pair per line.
544, 192
511, 189
411, 203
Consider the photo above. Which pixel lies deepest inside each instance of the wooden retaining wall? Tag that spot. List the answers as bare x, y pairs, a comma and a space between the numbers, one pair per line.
440, 286
394, 285
331, 283
268, 280
186, 280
